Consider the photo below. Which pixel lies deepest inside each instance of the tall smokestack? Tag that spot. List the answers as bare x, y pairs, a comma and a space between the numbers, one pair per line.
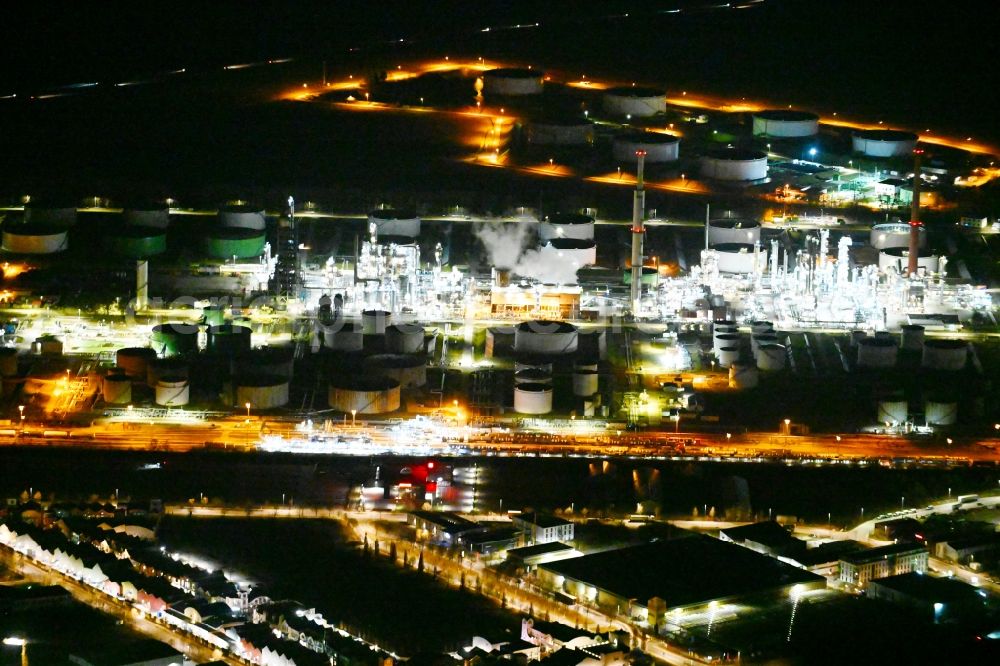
638, 230
915, 223
141, 285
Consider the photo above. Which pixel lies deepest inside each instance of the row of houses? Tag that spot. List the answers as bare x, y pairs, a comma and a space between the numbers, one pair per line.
236, 618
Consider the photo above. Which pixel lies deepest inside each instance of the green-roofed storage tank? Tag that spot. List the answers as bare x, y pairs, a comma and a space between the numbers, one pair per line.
235, 242
137, 242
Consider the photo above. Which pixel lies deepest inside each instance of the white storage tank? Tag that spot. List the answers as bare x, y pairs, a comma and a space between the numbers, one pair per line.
373, 322
567, 225
884, 143
242, 217
571, 251
720, 340
911, 337
499, 341
585, 383
261, 391
734, 164
543, 362
771, 358
761, 340
941, 412
893, 234
364, 395
659, 147
532, 376
725, 231
761, 327
898, 258
634, 101
172, 391
150, 217
404, 338
743, 376
739, 257
392, 222
726, 326
34, 239
945, 354
785, 124
343, 336
546, 337
532, 398
561, 132
877, 353
407, 370
727, 356
117, 389
513, 82
892, 411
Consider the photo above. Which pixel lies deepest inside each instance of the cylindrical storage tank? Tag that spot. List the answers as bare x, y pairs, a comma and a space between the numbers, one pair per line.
532, 398
735, 231
235, 242
541, 362
720, 340
585, 383
152, 217
512, 82
364, 395
570, 251
546, 337
884, 143
585, 365
117, 389
268, 361
758, 341
410, 371
59, 217
242, 217
725, 326
892, 411
659, 148
893, 234
172, 391
34, 239
404, 339
48, 345
733, 164
761, 327
373, 322
532, 376
898, 258
944, 354
911, 337
561, 132
877, 353
228, 339
174, 338
499, 341
726, 356
634, 101
738, 257
8, 361
391, 222
567, 225
785, 124
260, 391
941, 412
158, 368
743, 376
592, 343
771, 358
137, 242
343, 336
134, 361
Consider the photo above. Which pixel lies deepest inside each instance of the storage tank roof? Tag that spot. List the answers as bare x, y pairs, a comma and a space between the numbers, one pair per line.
534, 388
393, 214
734, 247
365, 383
787, 115
571, 243
732, 223
514, 73
736, 154
877, 342
635, 91
395, 361
241, 208
236, 233
648, 137
33, 229
903, 252
260, 380
886, 135
570, 218
546, 327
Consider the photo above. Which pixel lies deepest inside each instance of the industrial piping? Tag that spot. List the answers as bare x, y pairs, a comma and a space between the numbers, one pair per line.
638, 230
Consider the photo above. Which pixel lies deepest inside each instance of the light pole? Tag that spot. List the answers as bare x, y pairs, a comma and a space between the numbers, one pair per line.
354, 414
902, 502
247, 405
16, 641
20, 408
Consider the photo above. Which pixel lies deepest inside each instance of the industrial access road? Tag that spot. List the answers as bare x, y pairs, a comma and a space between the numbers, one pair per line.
241, 434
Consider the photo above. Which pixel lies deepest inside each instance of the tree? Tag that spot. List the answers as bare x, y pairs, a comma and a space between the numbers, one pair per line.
420, 562
392, 551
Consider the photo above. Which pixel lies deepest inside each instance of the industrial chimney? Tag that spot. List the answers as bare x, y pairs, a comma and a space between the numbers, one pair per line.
638, 229
915, 223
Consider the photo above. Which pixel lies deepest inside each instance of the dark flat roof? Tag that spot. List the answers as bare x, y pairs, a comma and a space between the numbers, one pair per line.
827, 552
929, 588
683, 571
446, 520
539, 549
874, 554
117, 654
768, 533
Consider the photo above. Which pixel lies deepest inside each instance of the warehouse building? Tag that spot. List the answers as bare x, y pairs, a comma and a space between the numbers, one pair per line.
898, 558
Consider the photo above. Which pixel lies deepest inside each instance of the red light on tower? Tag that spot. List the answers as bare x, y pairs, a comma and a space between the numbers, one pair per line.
640, 153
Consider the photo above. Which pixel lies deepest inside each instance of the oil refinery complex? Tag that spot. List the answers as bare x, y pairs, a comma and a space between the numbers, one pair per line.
518, 317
